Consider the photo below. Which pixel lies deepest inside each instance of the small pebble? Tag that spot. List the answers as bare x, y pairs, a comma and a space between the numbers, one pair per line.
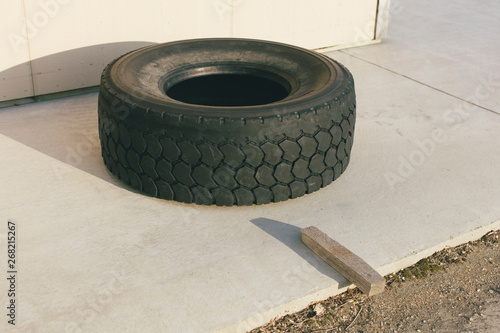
319, 309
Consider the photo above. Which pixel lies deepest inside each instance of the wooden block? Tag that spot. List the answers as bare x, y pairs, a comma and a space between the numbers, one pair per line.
344, 261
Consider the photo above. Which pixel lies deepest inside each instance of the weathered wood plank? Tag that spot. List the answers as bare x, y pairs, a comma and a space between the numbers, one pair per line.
344, 261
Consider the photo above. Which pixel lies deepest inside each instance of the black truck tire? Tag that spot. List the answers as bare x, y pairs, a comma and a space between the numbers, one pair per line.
226, 121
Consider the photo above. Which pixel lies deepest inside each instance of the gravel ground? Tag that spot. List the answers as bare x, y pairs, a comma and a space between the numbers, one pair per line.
454, 290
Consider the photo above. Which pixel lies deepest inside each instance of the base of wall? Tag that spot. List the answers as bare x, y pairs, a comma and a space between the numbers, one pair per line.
47, 97
347, 46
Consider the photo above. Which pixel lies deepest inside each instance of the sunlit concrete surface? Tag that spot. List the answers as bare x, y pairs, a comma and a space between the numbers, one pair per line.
93, 256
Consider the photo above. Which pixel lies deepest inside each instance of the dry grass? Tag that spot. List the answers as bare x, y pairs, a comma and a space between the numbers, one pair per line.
339, 313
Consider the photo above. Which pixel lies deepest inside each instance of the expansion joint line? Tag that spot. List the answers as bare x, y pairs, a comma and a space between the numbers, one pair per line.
420, 82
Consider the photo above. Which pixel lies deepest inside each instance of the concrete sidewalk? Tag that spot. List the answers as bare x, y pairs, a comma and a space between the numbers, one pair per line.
424, 173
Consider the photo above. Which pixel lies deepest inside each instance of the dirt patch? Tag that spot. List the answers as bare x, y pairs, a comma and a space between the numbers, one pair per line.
454, 290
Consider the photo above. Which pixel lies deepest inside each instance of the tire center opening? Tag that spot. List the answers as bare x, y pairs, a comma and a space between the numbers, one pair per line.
228, 89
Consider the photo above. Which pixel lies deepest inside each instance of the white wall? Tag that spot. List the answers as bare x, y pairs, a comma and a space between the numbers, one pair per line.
15, 72
58, 45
